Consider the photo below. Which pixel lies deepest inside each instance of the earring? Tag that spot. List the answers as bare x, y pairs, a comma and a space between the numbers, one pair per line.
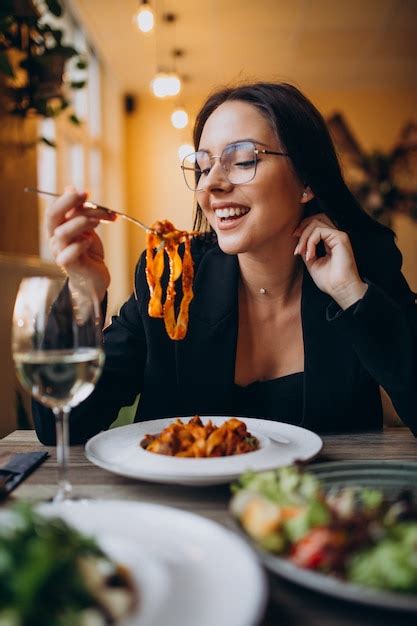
304, 194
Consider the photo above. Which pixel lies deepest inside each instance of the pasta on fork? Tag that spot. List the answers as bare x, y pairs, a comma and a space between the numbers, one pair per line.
164, 237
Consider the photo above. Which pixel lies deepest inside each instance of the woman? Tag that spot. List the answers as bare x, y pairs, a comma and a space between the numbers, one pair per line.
300, 310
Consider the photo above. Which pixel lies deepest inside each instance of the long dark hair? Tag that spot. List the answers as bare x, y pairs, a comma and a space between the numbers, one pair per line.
303, 133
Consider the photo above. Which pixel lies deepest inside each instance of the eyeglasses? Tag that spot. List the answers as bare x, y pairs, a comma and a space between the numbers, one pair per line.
238, 160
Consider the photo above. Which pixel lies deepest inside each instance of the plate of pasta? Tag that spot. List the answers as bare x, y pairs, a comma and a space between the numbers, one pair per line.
206, 450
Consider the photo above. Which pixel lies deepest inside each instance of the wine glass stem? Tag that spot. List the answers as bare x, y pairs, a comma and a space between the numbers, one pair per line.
62, 453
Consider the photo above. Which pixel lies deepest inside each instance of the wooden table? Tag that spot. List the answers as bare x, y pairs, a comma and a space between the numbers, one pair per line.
289, 605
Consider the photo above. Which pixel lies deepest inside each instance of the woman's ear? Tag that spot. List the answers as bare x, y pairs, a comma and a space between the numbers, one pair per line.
307, 195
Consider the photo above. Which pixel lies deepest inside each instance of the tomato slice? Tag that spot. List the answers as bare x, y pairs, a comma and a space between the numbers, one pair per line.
318, 547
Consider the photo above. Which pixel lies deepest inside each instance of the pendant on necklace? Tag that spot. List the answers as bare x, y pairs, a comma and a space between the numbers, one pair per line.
263, 291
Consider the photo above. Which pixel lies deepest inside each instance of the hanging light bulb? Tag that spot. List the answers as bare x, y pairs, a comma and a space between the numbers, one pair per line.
144, 18
184, 150
166, 84
179, 118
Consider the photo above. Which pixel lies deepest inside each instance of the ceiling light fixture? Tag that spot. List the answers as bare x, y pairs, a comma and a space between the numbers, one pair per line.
166, 84
179, 118
144, 18
184, 150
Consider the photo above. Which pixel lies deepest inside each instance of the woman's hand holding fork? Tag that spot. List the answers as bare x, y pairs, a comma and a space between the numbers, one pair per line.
75, 245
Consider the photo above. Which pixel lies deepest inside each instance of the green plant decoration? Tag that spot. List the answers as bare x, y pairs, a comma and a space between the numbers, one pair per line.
382, 192
33, 59
385, 183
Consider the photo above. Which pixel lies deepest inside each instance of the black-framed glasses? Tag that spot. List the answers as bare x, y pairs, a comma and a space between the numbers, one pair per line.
238, 160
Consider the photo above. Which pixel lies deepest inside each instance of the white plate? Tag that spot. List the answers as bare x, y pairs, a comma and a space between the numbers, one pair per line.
189, 570
118, 450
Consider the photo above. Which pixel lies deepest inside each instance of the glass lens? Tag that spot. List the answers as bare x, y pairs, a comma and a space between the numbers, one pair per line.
193, 166
239, 162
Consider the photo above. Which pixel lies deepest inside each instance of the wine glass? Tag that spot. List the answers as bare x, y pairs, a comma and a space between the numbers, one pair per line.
58, 353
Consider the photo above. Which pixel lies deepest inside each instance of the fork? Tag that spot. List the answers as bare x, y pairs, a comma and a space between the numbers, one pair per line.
93, 205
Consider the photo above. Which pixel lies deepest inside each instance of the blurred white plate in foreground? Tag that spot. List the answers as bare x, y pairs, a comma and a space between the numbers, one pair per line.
189, 570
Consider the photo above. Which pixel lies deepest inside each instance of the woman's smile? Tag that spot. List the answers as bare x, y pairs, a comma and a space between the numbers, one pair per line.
229, 214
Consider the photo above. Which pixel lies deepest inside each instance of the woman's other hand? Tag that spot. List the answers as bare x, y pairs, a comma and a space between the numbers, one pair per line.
74, 244
336, 273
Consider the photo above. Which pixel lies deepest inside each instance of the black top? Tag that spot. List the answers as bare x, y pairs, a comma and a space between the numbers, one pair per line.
280, 399
347, 354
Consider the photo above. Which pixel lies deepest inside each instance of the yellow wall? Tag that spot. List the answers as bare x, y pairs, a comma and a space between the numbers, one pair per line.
155, 188
375, 116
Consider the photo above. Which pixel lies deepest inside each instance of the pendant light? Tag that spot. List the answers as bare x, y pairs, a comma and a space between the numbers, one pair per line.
144, 17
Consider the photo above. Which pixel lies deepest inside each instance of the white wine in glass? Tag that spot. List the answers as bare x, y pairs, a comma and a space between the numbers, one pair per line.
58, 353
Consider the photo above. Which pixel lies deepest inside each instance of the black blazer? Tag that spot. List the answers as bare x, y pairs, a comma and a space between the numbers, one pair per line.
348, 354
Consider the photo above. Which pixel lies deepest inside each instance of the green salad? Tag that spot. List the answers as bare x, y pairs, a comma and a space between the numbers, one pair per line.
354, 533
52, 575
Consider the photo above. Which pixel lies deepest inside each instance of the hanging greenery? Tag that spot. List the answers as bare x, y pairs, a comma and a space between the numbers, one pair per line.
33, 59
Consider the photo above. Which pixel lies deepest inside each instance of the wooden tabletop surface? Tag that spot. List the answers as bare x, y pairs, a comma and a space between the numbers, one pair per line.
288, 603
